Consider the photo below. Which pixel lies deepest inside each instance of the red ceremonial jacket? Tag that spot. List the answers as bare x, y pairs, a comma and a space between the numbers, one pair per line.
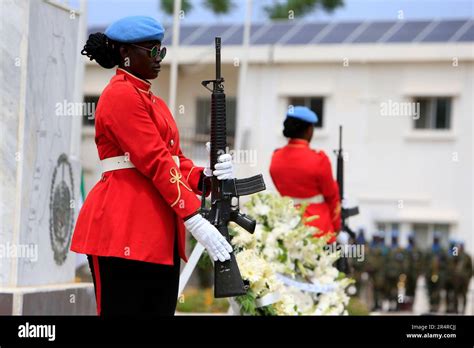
136, 213
300, 172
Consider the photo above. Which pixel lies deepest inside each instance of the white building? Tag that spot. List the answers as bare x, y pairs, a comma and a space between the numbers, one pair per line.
408, 172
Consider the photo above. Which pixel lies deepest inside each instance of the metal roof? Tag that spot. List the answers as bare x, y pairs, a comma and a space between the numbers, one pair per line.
317, 33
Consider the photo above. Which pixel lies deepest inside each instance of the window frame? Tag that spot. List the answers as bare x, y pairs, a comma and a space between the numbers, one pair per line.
431, 118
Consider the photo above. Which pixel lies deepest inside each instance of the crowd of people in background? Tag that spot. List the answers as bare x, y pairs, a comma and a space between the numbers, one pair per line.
390, 273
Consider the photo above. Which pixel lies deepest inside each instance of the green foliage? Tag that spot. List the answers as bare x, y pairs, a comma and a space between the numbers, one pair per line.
168, 6
300, 8
268, 310
201, 301
331, 5
357, 307
283, 257
216, 6
279, 10
219, 6
247, 302
341, 275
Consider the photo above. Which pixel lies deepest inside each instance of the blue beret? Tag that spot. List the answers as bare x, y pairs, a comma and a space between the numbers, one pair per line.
303, 113
360, 239
135, 29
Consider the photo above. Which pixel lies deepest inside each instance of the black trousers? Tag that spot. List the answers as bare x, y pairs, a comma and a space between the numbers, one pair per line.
134, 288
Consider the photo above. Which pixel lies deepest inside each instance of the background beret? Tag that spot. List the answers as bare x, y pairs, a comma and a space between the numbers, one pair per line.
303, 113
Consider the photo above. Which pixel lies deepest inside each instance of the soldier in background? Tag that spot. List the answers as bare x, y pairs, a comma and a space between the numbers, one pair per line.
435, 273
376, 269
305, 174
359, 266
451, 277
415, 269
462, 277
396, 264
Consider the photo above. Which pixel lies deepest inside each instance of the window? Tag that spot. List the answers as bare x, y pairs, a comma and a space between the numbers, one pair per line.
88, 110
203, 120
193, 140
314, 103
435, 113
423, 238
386, 229
424, 234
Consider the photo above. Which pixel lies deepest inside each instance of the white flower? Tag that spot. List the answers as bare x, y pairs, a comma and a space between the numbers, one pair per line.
258, 233
270, 253
283, 244
303, 301
286, 305
243, 238
261, 209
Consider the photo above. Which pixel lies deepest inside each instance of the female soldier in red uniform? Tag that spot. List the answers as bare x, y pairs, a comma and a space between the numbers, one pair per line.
305, 174
131, 224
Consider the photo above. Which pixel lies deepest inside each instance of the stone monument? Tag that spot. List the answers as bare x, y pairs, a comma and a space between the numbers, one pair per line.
41, 73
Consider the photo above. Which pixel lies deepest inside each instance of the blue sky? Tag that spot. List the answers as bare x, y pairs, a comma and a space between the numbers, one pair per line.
103, 12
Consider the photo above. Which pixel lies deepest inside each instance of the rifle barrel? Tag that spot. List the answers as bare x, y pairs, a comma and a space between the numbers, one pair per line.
340, 137
218, 57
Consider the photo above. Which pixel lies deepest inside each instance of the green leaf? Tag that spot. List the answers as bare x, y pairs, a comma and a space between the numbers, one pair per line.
268, 311
247, 303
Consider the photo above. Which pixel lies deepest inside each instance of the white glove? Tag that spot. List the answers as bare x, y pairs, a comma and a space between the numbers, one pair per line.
224, 169
206, 234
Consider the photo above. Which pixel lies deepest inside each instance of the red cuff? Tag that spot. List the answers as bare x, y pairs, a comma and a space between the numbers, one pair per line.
196, 179
193, 178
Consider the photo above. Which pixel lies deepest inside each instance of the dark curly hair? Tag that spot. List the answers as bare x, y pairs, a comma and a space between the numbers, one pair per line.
295, 128
103, 50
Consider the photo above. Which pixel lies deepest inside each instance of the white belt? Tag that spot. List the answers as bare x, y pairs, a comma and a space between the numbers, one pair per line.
123, 162
315, 199
115, 163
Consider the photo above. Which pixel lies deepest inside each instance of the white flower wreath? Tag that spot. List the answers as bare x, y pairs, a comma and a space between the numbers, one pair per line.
289, 271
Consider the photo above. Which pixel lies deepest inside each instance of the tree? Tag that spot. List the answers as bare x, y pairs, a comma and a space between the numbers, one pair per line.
218, 7
279, 9
168, 6
299, 8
